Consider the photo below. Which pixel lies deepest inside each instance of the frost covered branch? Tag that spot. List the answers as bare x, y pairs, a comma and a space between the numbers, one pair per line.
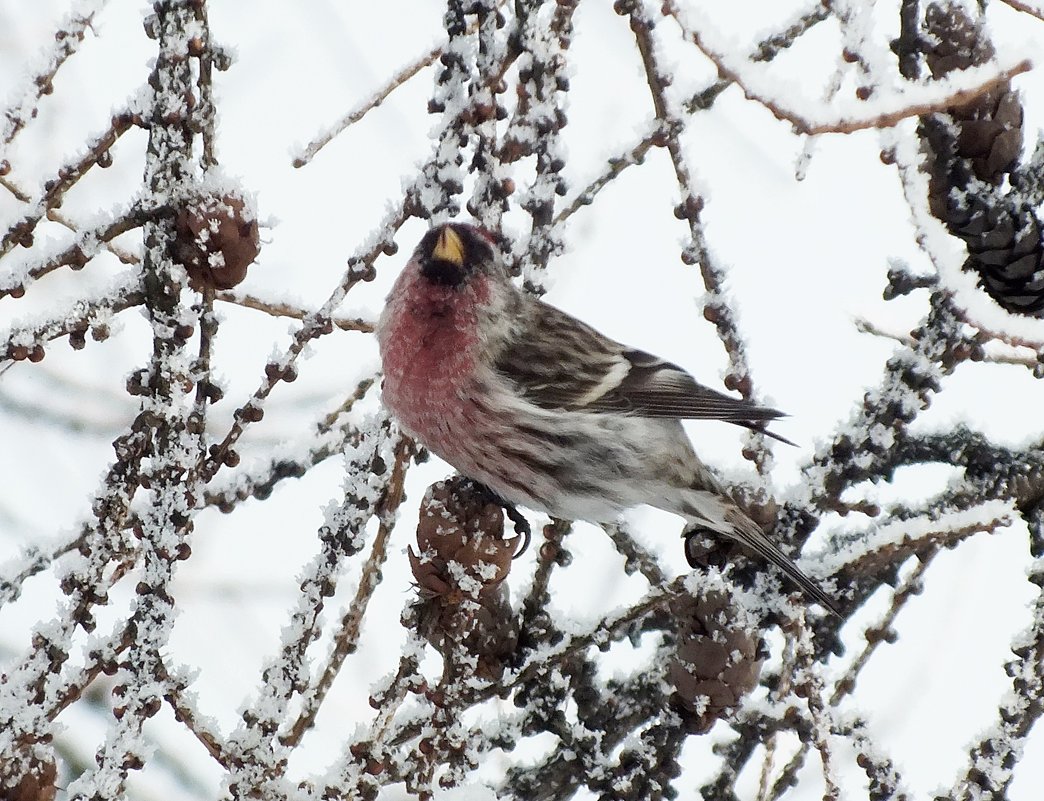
285, 309
914, 101
27, 341
67, 40
981, 355
97, 152
718, 306
588, 663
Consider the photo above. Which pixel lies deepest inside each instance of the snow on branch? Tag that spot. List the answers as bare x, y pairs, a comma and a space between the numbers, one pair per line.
913, 100
717, 306
26, 341
465, 663
21, 233
67, 39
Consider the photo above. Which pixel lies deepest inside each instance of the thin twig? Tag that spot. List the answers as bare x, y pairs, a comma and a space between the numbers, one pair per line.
360, 268
67, 41
1020, 709
369, 484
22, 343
284, 309
702, 100
809, 683
331, 440
402, 76
21, 233
76, 256
309, 151
718, 308
867, 327
56, 216
875, 561
636, 557
1025, 8
185, 713
886, 119
882, 631
203, 49
351, 623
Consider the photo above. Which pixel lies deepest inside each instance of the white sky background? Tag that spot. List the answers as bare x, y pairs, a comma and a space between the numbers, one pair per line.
805, 259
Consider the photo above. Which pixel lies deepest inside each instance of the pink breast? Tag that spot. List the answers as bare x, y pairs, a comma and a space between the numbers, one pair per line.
428, 347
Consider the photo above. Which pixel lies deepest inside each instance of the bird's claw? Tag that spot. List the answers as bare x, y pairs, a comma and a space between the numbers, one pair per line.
702, 549
516, 517
521, 526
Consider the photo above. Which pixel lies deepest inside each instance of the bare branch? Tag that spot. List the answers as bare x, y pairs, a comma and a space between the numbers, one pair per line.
67, 40
283, 309
21, 233
1025, 8
906, 106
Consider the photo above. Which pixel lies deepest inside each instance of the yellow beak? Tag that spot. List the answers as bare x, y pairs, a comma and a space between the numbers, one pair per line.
449, 247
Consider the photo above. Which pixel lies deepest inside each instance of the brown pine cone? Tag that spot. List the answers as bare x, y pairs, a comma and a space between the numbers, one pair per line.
217, 240
973, 149
460, 571
717, 662
38, 783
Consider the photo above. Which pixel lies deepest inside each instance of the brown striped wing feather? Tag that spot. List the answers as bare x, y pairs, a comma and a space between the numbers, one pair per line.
563, 363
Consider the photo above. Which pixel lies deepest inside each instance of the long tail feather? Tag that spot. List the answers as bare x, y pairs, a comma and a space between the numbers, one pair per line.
711, 510
746, 532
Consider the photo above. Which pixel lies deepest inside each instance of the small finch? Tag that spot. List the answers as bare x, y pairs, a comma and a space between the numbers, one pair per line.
544, 410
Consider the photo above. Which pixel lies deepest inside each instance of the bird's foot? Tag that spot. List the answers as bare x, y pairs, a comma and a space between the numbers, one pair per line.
519, 521
703, 549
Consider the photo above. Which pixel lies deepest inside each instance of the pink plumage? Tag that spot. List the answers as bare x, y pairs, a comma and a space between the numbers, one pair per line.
429, 348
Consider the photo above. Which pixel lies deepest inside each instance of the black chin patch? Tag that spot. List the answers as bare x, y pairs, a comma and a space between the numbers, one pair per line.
445, 273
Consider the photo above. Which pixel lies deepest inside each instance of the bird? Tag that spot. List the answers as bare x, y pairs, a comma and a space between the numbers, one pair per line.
543, 409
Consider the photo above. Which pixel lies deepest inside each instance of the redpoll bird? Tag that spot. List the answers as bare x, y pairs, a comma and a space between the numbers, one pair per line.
543, 409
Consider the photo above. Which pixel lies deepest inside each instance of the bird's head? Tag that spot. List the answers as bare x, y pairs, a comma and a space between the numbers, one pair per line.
452, 254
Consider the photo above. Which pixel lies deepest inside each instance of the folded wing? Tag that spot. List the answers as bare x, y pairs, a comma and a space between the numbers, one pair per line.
563, 363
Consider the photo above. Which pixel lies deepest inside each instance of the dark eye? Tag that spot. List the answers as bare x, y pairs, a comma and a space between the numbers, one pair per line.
480, 243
